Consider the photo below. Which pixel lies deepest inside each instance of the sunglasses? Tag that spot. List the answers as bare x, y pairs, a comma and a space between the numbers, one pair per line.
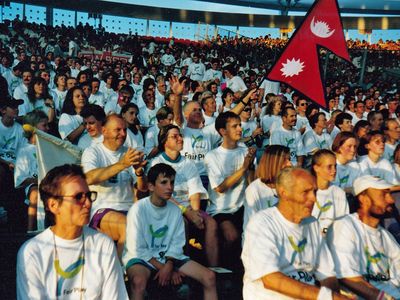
80, 197
247, 110
303, 104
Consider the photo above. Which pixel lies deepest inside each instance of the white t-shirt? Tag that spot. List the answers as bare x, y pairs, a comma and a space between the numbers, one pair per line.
168, 59
259, 196
187, 179
134, 141
28, 106
153, 232
197, 143
147, 117
102, 275
21, 92
383, 169
331, 204
274, 244
151, 138
87, 141
108, 93
236, 84
196, 71
209, 120
270, 87
312, 141
58, 98
269, 123
117, 191
291, 139
302, 122
248, 128
68, 123
220, 164
112, 106
211, 74
11, 140
98, 99
389, 151
346, 174
26, 165
12, 81
361, 250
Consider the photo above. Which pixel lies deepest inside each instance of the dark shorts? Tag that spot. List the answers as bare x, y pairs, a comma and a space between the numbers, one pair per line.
205, 181
235, 218
99, 214
178, 263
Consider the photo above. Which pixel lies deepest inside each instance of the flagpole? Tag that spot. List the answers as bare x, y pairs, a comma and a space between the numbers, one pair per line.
364, 61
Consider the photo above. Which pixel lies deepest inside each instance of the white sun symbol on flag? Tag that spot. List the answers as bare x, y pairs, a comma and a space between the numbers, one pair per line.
292, 67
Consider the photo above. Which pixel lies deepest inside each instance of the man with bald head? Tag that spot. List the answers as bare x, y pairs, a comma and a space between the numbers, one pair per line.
112, 170
284, 252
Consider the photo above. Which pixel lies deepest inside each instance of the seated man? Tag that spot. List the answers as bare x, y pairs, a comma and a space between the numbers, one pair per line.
68, 258
111, 170
367, 257
283, 251
155, 238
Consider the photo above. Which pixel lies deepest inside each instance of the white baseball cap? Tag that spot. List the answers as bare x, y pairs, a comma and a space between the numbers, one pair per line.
368, 181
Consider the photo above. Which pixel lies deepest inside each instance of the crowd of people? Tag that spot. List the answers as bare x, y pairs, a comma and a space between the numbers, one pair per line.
191, 147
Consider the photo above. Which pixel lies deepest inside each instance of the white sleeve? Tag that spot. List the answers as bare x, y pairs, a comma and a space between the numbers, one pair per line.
178, 240
150, 140
325, 264
65, 125
299, 147
194, 182
135, 244
262, 251
274, 140
29, 279
114, 285
21, 170
342, 243
89, 159
213, 170
309, 142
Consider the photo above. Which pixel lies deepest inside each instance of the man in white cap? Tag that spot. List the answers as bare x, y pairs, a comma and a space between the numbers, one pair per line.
367, 257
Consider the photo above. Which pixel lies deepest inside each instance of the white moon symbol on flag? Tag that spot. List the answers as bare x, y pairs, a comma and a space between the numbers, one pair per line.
320, 29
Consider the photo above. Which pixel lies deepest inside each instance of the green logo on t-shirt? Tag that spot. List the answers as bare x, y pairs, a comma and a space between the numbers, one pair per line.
289, 142
324, 207
344, 180
159, 233
196, 139
7, 142
68, 273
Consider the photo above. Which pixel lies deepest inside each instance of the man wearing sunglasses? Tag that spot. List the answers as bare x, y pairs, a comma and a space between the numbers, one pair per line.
68, 258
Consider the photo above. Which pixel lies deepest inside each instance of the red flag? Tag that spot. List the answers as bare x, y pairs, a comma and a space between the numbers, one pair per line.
298, 65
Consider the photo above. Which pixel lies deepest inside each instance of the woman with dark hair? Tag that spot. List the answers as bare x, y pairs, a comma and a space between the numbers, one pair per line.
38, 98
60, 91
134, 137
272, 119
331, 200
109, 84
373, 163
71, 125
347, 169
261, 193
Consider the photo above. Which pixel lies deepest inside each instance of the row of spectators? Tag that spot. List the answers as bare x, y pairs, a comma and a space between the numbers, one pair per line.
210, 114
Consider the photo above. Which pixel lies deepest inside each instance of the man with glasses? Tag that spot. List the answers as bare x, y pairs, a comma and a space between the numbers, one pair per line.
367, 256
125, 95
302, 122
111, 170
68, 258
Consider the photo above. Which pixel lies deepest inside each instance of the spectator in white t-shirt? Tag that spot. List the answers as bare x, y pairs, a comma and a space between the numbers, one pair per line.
392, 134
209, 107
366, 256
96, 97
331, 202
234, 82
284, 253
261, 193
229, 168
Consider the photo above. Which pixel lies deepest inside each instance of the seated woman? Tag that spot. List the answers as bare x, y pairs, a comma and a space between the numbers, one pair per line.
71, 125
331, 200
261, 193
26, 166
